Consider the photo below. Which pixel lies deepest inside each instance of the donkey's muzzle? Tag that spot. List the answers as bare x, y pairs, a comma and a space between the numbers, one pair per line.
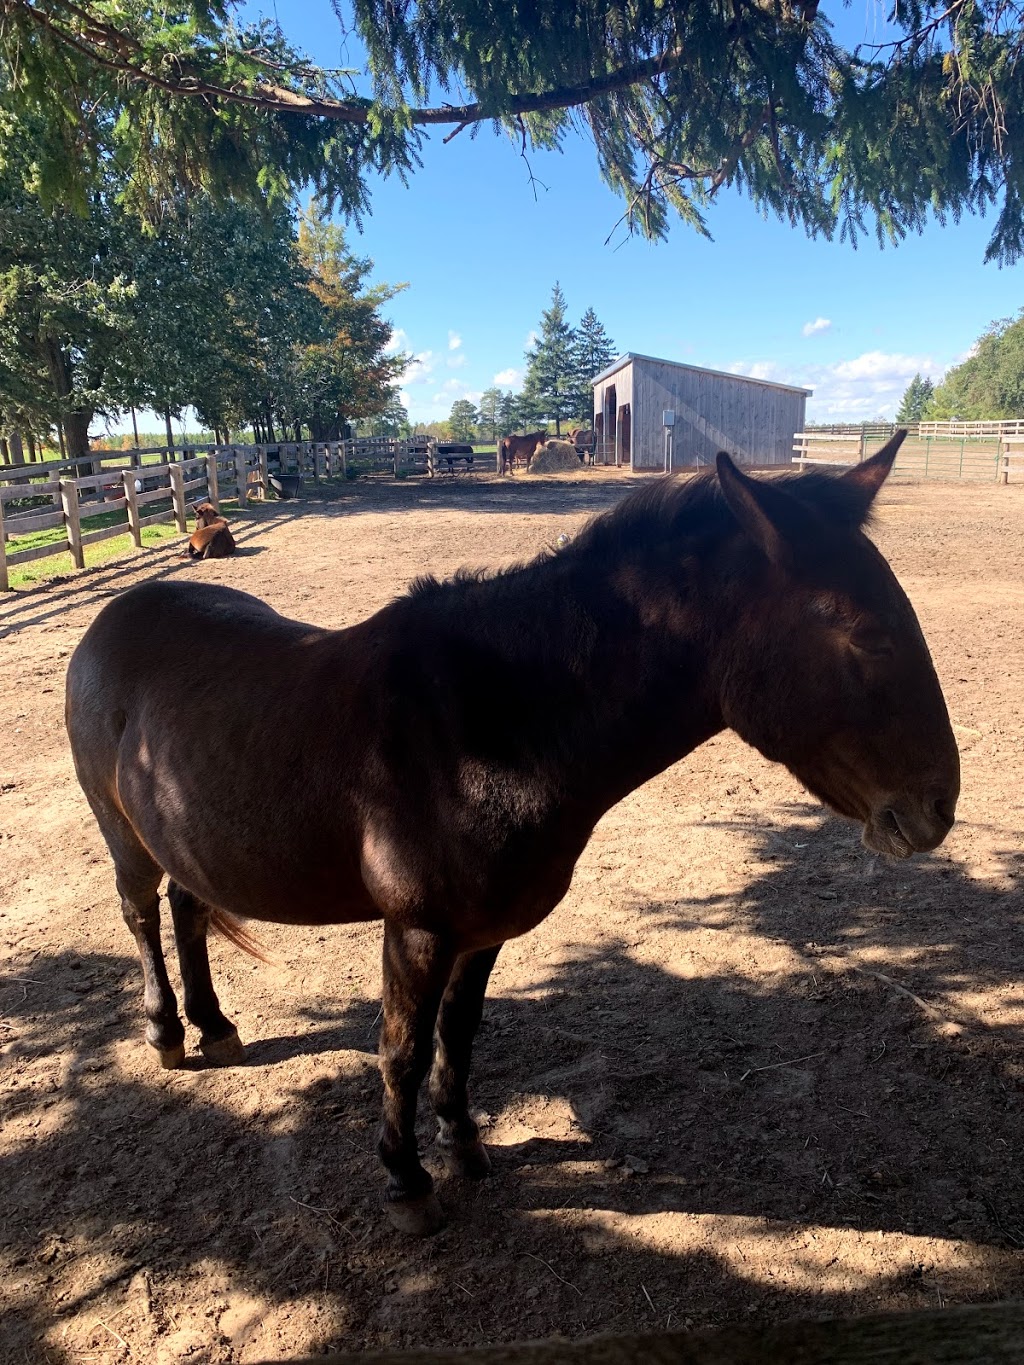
905, 827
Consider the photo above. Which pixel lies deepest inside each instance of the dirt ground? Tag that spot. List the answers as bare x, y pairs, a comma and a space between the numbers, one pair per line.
745, 1072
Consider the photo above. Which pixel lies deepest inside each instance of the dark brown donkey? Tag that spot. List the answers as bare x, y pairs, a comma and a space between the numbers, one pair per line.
364, 773
522, 448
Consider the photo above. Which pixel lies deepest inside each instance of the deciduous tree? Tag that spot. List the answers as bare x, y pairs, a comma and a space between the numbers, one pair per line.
989, 384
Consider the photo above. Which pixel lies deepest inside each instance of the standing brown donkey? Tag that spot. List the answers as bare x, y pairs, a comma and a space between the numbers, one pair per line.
385, 785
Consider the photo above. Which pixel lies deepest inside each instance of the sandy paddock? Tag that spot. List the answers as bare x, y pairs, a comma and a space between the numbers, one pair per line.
745, 1072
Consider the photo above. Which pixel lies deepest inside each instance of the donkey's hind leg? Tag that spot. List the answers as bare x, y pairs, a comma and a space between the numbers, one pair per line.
458, 1019
219, 1039
138, 881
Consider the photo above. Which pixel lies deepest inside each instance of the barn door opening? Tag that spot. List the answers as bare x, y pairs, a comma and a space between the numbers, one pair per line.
622, 437
599, 438
609, 425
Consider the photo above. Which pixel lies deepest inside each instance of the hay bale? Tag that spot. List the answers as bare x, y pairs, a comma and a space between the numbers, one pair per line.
555, 457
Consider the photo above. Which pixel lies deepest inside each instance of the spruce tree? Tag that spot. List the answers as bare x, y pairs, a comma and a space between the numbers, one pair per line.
915, 400
593, 352
551, 365
684, 100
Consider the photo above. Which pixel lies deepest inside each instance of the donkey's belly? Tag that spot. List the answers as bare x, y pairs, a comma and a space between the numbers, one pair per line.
245, 854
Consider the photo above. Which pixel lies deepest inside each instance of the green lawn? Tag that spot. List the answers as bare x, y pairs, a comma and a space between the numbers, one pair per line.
61, 563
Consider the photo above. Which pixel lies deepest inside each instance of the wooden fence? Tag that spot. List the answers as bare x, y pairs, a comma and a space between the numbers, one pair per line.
1011, 427
60, 494
988, 459
120, 490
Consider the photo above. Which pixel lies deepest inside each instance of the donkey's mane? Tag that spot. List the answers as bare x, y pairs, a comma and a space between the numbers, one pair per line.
670, 508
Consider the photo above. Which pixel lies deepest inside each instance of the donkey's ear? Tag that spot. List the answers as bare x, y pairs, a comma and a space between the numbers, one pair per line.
751, 503
864, 480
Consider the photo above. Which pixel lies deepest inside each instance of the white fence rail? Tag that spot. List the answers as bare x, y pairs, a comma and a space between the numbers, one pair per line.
977, 458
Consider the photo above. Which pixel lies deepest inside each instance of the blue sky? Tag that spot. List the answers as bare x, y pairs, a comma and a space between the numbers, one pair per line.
480, 255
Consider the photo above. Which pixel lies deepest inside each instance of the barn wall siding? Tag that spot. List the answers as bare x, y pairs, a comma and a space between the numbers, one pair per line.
754, 421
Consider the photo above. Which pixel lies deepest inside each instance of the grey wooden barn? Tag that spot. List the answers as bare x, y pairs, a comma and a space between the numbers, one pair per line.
709, 411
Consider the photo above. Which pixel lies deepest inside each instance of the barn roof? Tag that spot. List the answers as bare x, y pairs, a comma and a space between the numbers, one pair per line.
630, 356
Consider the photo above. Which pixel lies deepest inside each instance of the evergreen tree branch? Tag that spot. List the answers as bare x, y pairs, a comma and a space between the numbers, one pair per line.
116, 51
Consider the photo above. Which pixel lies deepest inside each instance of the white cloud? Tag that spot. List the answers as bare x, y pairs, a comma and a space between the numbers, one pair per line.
509, 379
883, 368
855, 390
455, 362
454, 341
421, 368
531, 340
399, 340
811, 329
759, 369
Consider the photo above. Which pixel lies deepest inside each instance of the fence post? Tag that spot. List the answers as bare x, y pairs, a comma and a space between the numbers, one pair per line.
431, 457
241, 475
4, 582
177, 479
72, 520
497, 456
212, 485
132, 499
261, 458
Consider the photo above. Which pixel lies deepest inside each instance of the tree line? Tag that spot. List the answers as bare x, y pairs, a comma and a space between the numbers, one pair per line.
987, 386
255, 316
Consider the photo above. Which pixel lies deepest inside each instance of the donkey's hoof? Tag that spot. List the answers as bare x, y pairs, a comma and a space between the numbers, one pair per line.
470, 1160
172, 1057
229, 1051
416, 1217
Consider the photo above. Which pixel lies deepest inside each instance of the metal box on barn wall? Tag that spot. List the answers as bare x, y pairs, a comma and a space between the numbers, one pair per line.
753, 419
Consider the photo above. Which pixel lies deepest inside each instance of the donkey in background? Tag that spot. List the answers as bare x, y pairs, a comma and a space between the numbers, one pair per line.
211, 539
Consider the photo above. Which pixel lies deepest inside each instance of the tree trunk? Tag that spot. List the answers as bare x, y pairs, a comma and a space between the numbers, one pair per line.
60, 440
17, 449
170, 434
135, 428
269, 423
76, 425
31, 447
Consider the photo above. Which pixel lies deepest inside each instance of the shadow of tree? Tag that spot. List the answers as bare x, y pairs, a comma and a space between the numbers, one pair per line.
53, 597
673, 1141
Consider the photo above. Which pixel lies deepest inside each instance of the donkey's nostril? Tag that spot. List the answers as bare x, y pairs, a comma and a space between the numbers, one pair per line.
944, 809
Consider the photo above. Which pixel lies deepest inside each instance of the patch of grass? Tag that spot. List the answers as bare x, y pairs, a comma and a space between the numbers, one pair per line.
60, 563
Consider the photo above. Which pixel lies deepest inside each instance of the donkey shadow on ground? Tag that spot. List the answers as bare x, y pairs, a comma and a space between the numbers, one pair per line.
726, 1144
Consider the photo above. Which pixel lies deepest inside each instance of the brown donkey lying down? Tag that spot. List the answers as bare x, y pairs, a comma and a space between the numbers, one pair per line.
365, 773
211, 539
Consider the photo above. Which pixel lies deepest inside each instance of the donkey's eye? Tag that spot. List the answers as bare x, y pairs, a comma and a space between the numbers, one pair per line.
875, 643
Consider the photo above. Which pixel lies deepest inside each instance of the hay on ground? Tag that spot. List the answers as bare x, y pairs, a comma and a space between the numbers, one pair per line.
554, 457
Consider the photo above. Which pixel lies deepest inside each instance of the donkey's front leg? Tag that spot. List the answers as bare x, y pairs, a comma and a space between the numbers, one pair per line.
417, 966
457, 1022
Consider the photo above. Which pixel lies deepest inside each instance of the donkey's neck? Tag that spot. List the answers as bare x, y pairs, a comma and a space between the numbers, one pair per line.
608, 668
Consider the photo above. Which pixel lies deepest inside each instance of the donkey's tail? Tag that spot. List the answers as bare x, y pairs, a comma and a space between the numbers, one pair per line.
235, 932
